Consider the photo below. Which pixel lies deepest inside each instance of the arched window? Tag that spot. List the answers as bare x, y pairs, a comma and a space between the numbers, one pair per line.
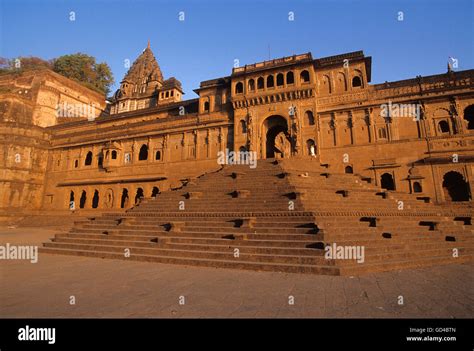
158, 155
348, 170
309, 118
290, 78
311, 147
455, 187
143, 155
239, 88
206, 106
71, 204
95, 199
124, 199
251, 85
417, 187
304, 76
443, 127
260, 83
83, 199
280, 79
88, 160
139, 195
155, 191
356, 82
270, 82
243, 127
469, 116
114, 155
387, 182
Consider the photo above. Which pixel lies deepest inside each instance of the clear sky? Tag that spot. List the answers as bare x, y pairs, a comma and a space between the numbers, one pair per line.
214, 33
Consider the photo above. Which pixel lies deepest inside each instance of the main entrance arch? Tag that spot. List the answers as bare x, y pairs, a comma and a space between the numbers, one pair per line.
275, 130
455, 187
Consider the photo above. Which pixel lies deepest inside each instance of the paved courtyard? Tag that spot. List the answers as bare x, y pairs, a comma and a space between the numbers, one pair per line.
117, 288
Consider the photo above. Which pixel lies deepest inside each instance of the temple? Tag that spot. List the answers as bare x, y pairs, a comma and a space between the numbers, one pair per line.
411, 139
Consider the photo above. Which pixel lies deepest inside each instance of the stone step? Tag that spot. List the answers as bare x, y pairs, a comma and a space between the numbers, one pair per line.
225, 247
275, 267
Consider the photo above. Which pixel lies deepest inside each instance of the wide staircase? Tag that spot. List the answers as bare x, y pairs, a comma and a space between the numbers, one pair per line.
280, 216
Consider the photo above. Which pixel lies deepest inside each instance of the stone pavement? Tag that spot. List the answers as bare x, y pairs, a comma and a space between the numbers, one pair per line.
117, 288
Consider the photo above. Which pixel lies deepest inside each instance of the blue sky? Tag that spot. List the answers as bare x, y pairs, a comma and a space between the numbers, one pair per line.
215, 33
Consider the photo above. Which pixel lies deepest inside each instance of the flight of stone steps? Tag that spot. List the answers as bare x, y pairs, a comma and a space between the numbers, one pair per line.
279, 216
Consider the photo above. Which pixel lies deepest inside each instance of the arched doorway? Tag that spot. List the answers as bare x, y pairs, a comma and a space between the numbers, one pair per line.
310, 147
155, 191
272, 127
455, 187
139, 195
386, 181
124, 199
95, 199
469, 116
83, 199
348, 170
72, 203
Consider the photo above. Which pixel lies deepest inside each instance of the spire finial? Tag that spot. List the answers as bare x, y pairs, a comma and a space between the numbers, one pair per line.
148, 46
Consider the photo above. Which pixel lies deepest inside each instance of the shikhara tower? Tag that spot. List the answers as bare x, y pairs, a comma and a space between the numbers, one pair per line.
143, 86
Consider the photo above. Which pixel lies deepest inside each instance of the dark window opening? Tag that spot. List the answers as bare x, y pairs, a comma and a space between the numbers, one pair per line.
155, 191
239, 88
71, 204
356, 82
139, 195
251, 85
417, 187
88, 160
469, 116
83, 199
95, 199
455, 187
309, 118
143, 155
290, 78
270, 82
243, 127
280, 79
304, 76
387, 181
443, 127
124, 199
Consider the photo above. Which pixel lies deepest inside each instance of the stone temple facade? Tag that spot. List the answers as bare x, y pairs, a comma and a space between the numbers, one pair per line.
67, 150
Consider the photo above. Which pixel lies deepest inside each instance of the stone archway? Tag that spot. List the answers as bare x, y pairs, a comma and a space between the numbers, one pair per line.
455, 187
277, 143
